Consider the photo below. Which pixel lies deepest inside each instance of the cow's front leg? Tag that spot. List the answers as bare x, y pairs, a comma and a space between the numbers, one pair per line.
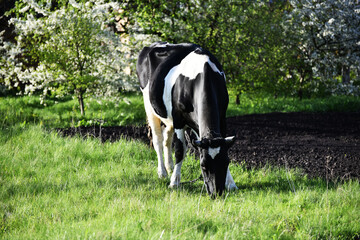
180, 151
168, 137
229, 183
155, 125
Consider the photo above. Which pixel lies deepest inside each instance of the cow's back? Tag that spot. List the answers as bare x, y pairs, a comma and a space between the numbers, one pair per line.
155, 64
157, 60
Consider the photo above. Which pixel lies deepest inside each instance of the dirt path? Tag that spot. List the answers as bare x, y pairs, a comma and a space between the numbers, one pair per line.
325, 145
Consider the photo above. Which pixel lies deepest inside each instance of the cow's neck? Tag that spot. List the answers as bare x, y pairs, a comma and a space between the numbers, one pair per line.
209, 121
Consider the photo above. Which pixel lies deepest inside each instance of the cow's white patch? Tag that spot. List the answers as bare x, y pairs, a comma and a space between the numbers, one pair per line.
193, 64
169, 83
213, 152
176, 176
157, 44
190, 67
180, 135
150, 110
156, 130
168, 138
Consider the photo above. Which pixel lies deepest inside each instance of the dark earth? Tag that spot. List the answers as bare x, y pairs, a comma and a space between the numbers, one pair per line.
323, 145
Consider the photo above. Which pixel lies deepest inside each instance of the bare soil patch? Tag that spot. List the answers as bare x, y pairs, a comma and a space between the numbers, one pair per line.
321, 144
325, 145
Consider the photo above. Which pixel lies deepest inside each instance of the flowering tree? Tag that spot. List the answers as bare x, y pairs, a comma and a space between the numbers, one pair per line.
75, 51
327, 35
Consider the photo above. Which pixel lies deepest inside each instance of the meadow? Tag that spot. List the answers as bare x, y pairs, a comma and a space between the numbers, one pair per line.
54, 187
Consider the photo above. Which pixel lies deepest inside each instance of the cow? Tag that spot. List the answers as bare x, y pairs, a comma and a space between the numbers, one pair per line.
183, 87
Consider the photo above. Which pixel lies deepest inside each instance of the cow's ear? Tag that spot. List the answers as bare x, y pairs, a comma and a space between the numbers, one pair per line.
230, 141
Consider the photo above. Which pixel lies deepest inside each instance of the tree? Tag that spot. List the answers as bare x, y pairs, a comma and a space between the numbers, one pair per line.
73, 51
245, 36
327, 36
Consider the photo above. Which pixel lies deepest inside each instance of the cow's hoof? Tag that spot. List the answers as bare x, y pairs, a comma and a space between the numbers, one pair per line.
174, 185
175, 181
162, 175
169, 166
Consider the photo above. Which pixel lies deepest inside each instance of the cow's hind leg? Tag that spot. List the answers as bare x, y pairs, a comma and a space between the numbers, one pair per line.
155, 125
180, 151
168, 137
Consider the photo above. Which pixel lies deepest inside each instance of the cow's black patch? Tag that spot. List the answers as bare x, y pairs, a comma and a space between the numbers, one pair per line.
182, 102
154, 64
178, 149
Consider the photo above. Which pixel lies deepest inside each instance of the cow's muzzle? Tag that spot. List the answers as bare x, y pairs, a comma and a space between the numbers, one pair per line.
213, 189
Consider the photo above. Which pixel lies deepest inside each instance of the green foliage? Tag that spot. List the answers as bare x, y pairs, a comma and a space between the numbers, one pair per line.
256, 42
245, 36
53, 187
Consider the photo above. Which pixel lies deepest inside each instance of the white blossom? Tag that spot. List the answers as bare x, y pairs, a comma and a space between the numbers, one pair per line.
104, 66
328, 33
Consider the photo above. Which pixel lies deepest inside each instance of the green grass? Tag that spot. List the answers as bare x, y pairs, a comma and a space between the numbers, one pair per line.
130, 110
29, 110
267, 104
53, 187
69, 188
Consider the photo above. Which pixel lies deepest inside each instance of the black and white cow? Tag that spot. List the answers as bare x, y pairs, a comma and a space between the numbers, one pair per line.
183, 87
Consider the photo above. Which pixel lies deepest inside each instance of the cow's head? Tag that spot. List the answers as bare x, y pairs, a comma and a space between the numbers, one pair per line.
214, 162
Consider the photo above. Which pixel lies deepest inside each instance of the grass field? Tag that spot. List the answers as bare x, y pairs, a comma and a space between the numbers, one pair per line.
53, 187
28, 110
130, 110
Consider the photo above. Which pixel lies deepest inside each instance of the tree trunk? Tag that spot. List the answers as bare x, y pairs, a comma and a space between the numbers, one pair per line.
81, 103
300, 90
345, 74
300, 94
237, 101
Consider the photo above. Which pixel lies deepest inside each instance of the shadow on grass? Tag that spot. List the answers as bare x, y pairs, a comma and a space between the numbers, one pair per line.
287, 185
278, 181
